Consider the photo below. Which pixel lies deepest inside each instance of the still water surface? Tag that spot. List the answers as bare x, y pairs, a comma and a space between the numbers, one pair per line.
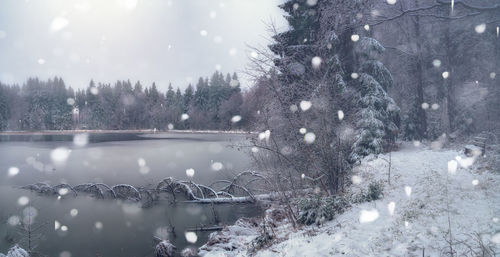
109, 227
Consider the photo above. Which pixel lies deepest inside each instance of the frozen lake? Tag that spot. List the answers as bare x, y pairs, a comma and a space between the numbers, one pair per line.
92, 227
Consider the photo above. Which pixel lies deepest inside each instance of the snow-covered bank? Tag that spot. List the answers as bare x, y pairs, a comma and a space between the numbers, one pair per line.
426, 200
107, 131
16, 251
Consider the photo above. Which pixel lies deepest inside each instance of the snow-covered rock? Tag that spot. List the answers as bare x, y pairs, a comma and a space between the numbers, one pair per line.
16, 251
164, 249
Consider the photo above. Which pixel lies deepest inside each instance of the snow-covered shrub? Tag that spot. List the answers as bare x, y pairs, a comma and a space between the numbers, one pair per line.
317, 209
413, 210
261, 240
375, 192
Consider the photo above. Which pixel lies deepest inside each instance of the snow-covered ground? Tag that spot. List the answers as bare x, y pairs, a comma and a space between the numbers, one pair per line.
427, 198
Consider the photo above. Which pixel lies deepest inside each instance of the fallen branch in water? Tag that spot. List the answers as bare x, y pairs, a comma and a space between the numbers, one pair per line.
231, 191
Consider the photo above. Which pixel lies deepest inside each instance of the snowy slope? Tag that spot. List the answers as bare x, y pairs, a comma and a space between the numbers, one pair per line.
425, 190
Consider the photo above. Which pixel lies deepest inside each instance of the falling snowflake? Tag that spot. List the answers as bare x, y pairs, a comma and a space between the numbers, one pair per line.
367, 216
312, 2
340, 114
305, 105
445, 74
234, 83
391, 207
58, 23
12, 171
355, 37
70, 101
191, 237
366, 27
316, 62
81, 140
309, 137
496, 238
131, 208
190, 173
302, 131
235, 118
480, 28
60, 155
23, 200
354, 75
63, 191
425, 106
391, 2
408, 191
94, 90
98, 225
203, 33
14, 220
216, 166
436, 63
73, 212
452, 166
356, 180
184, 116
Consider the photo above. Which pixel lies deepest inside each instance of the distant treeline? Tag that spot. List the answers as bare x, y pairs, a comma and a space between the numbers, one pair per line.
215, 103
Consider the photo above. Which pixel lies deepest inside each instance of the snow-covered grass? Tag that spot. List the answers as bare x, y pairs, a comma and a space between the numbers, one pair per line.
426, 200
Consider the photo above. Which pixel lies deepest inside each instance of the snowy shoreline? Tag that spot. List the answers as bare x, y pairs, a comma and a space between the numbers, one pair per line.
141, 131
428, 197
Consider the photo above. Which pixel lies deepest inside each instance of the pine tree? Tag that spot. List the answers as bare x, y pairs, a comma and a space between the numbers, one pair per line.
188, 98
4, 108
379, 115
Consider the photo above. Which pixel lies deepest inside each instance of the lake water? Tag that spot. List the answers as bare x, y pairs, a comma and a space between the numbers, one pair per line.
96, 227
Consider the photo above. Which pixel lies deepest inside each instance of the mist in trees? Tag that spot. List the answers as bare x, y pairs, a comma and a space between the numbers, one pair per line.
52, 105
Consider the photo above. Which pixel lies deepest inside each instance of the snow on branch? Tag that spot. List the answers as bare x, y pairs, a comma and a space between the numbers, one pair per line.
232, 191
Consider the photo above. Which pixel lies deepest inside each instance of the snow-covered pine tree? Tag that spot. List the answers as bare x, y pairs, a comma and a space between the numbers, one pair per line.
307, 91
379, 115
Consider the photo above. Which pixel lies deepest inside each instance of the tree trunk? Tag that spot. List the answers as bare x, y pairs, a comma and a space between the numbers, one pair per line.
450, 91
421, 115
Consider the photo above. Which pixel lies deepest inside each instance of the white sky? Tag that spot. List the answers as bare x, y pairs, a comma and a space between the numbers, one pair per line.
146, 40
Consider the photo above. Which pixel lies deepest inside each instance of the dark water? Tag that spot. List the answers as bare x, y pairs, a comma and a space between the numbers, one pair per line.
111, 227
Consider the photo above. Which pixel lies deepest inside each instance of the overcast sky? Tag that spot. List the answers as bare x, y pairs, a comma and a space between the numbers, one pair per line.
148, 40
